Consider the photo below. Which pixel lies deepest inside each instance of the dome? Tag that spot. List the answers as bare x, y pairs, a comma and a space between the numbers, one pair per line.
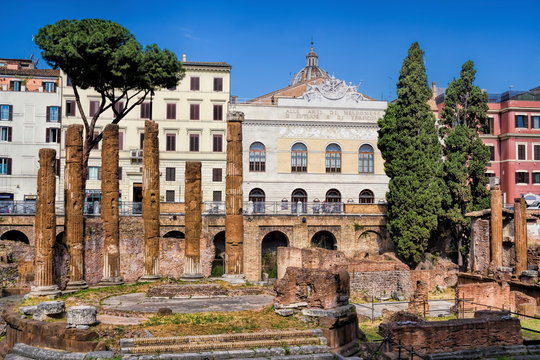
311, 70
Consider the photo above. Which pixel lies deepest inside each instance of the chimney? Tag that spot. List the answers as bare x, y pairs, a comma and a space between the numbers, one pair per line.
184, 58
434, 88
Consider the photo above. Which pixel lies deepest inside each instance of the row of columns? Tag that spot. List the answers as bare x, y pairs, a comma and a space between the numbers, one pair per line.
45, 219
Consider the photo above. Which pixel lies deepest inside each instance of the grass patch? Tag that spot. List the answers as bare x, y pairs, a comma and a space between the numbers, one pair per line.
530, 324
370, 329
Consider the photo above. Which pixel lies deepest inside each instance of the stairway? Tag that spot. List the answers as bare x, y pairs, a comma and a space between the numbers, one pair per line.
296, 344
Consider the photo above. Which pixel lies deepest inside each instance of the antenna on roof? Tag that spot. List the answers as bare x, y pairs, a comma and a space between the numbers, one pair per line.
311, 43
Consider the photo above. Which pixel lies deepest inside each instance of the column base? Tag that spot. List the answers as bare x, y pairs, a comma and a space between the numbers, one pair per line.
51, 291
149, 278
234, 278
73, 286
191, 277
112, 281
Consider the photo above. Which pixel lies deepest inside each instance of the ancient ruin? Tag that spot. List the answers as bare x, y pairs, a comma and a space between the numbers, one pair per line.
74, 202
151, 200
520, 237
193, 201
110, 215
496, 227
45, 226
234, 219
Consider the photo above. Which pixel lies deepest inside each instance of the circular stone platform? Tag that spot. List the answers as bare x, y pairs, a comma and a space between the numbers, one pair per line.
140, 302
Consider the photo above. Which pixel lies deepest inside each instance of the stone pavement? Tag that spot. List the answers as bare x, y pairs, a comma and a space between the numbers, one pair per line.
436, 308
139, 302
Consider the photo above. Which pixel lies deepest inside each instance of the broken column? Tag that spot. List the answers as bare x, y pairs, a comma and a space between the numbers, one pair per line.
520, 234
73, 203
234, 220
496, 226
110, 215
193, 201
45, 226
150, 200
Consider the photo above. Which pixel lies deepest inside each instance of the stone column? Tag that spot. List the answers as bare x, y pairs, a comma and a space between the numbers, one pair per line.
496, 227
234, 219
520, 234
150, 200
110, 215
74, 203
45, 227
193, 201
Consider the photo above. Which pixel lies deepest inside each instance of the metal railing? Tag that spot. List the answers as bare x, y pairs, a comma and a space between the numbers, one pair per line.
17, 207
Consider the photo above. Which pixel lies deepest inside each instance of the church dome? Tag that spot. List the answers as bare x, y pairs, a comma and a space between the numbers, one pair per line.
311, 70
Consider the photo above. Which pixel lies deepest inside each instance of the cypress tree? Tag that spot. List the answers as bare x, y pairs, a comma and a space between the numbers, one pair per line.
412, 152
463, 115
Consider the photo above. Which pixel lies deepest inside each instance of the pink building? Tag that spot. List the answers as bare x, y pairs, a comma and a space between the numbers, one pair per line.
513, 136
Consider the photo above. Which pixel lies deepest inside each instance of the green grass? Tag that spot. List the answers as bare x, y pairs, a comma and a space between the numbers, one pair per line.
530, 324
370, 330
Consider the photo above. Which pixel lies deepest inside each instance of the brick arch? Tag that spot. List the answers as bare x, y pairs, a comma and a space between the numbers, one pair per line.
373, 239
164, 230
27, 231
15, 235
334, 230
285, 230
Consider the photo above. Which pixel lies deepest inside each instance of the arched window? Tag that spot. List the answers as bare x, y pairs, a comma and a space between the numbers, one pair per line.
299, 195
366, 197
257, 157
333, 158
258, 197
299, 158
333, 195
332, 202
365, 159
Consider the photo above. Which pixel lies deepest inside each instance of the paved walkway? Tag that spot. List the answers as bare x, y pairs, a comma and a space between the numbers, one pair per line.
436, 308
139, 302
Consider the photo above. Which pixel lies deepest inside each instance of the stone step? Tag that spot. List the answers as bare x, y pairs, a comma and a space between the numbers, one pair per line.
220, 338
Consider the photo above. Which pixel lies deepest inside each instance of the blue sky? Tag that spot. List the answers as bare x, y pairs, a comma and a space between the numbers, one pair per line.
363, 42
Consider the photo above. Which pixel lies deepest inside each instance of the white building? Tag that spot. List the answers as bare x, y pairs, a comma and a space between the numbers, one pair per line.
30, 118
314, 141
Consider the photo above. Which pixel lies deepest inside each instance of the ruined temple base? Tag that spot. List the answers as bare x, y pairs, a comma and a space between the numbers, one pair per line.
191, 277
234, 278
150, 278
51, 292
112, 281
73, 286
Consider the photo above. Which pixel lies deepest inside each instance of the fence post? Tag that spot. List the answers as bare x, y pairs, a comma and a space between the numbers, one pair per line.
399, 350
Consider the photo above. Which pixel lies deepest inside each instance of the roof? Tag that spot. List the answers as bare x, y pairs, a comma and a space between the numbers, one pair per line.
30, 72
206, 63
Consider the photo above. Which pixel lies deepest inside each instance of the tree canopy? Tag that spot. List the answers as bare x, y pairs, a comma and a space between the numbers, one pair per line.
412, 152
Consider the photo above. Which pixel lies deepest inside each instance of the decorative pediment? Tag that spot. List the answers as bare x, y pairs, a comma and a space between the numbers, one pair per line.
333, 89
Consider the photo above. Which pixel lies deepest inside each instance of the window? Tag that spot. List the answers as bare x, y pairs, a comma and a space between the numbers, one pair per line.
333, 196
365, 159
489, 126
194, 83
5, 166
69, 82
194, 142
536, 152
119, 106
217, 143
216, 196
49, 86
170, 174
521, 152
217, 175
521, 121
15, 85
536, 178
120, 140
333, 158
299, 158
522, 177
169, 195
70, 107
6, 112
145, 111
172, 88
171, 111
141, 141
96, 146
366, 197
170, 142
491, 152
193, 111
94, 108
218, 84
94, 173
257, 157
53, 114
257, 196
52, 135
119, 173
57, 167
332, 202
5, 133
535, 121
298, 195
218, 112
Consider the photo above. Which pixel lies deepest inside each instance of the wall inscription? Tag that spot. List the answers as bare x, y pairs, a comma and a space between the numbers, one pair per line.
332, 114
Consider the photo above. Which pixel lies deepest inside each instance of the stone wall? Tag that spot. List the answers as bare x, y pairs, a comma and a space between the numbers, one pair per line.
488, 295
452, 335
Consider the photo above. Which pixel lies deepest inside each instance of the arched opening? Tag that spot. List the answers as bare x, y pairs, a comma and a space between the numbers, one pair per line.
60, 261
366, 197
269, 245
175, 234
333, 158
332, 201
324, 240
257, 157
365, 159
371, 242
299, 195
299, 158
15, 235
218, 264
257, 196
